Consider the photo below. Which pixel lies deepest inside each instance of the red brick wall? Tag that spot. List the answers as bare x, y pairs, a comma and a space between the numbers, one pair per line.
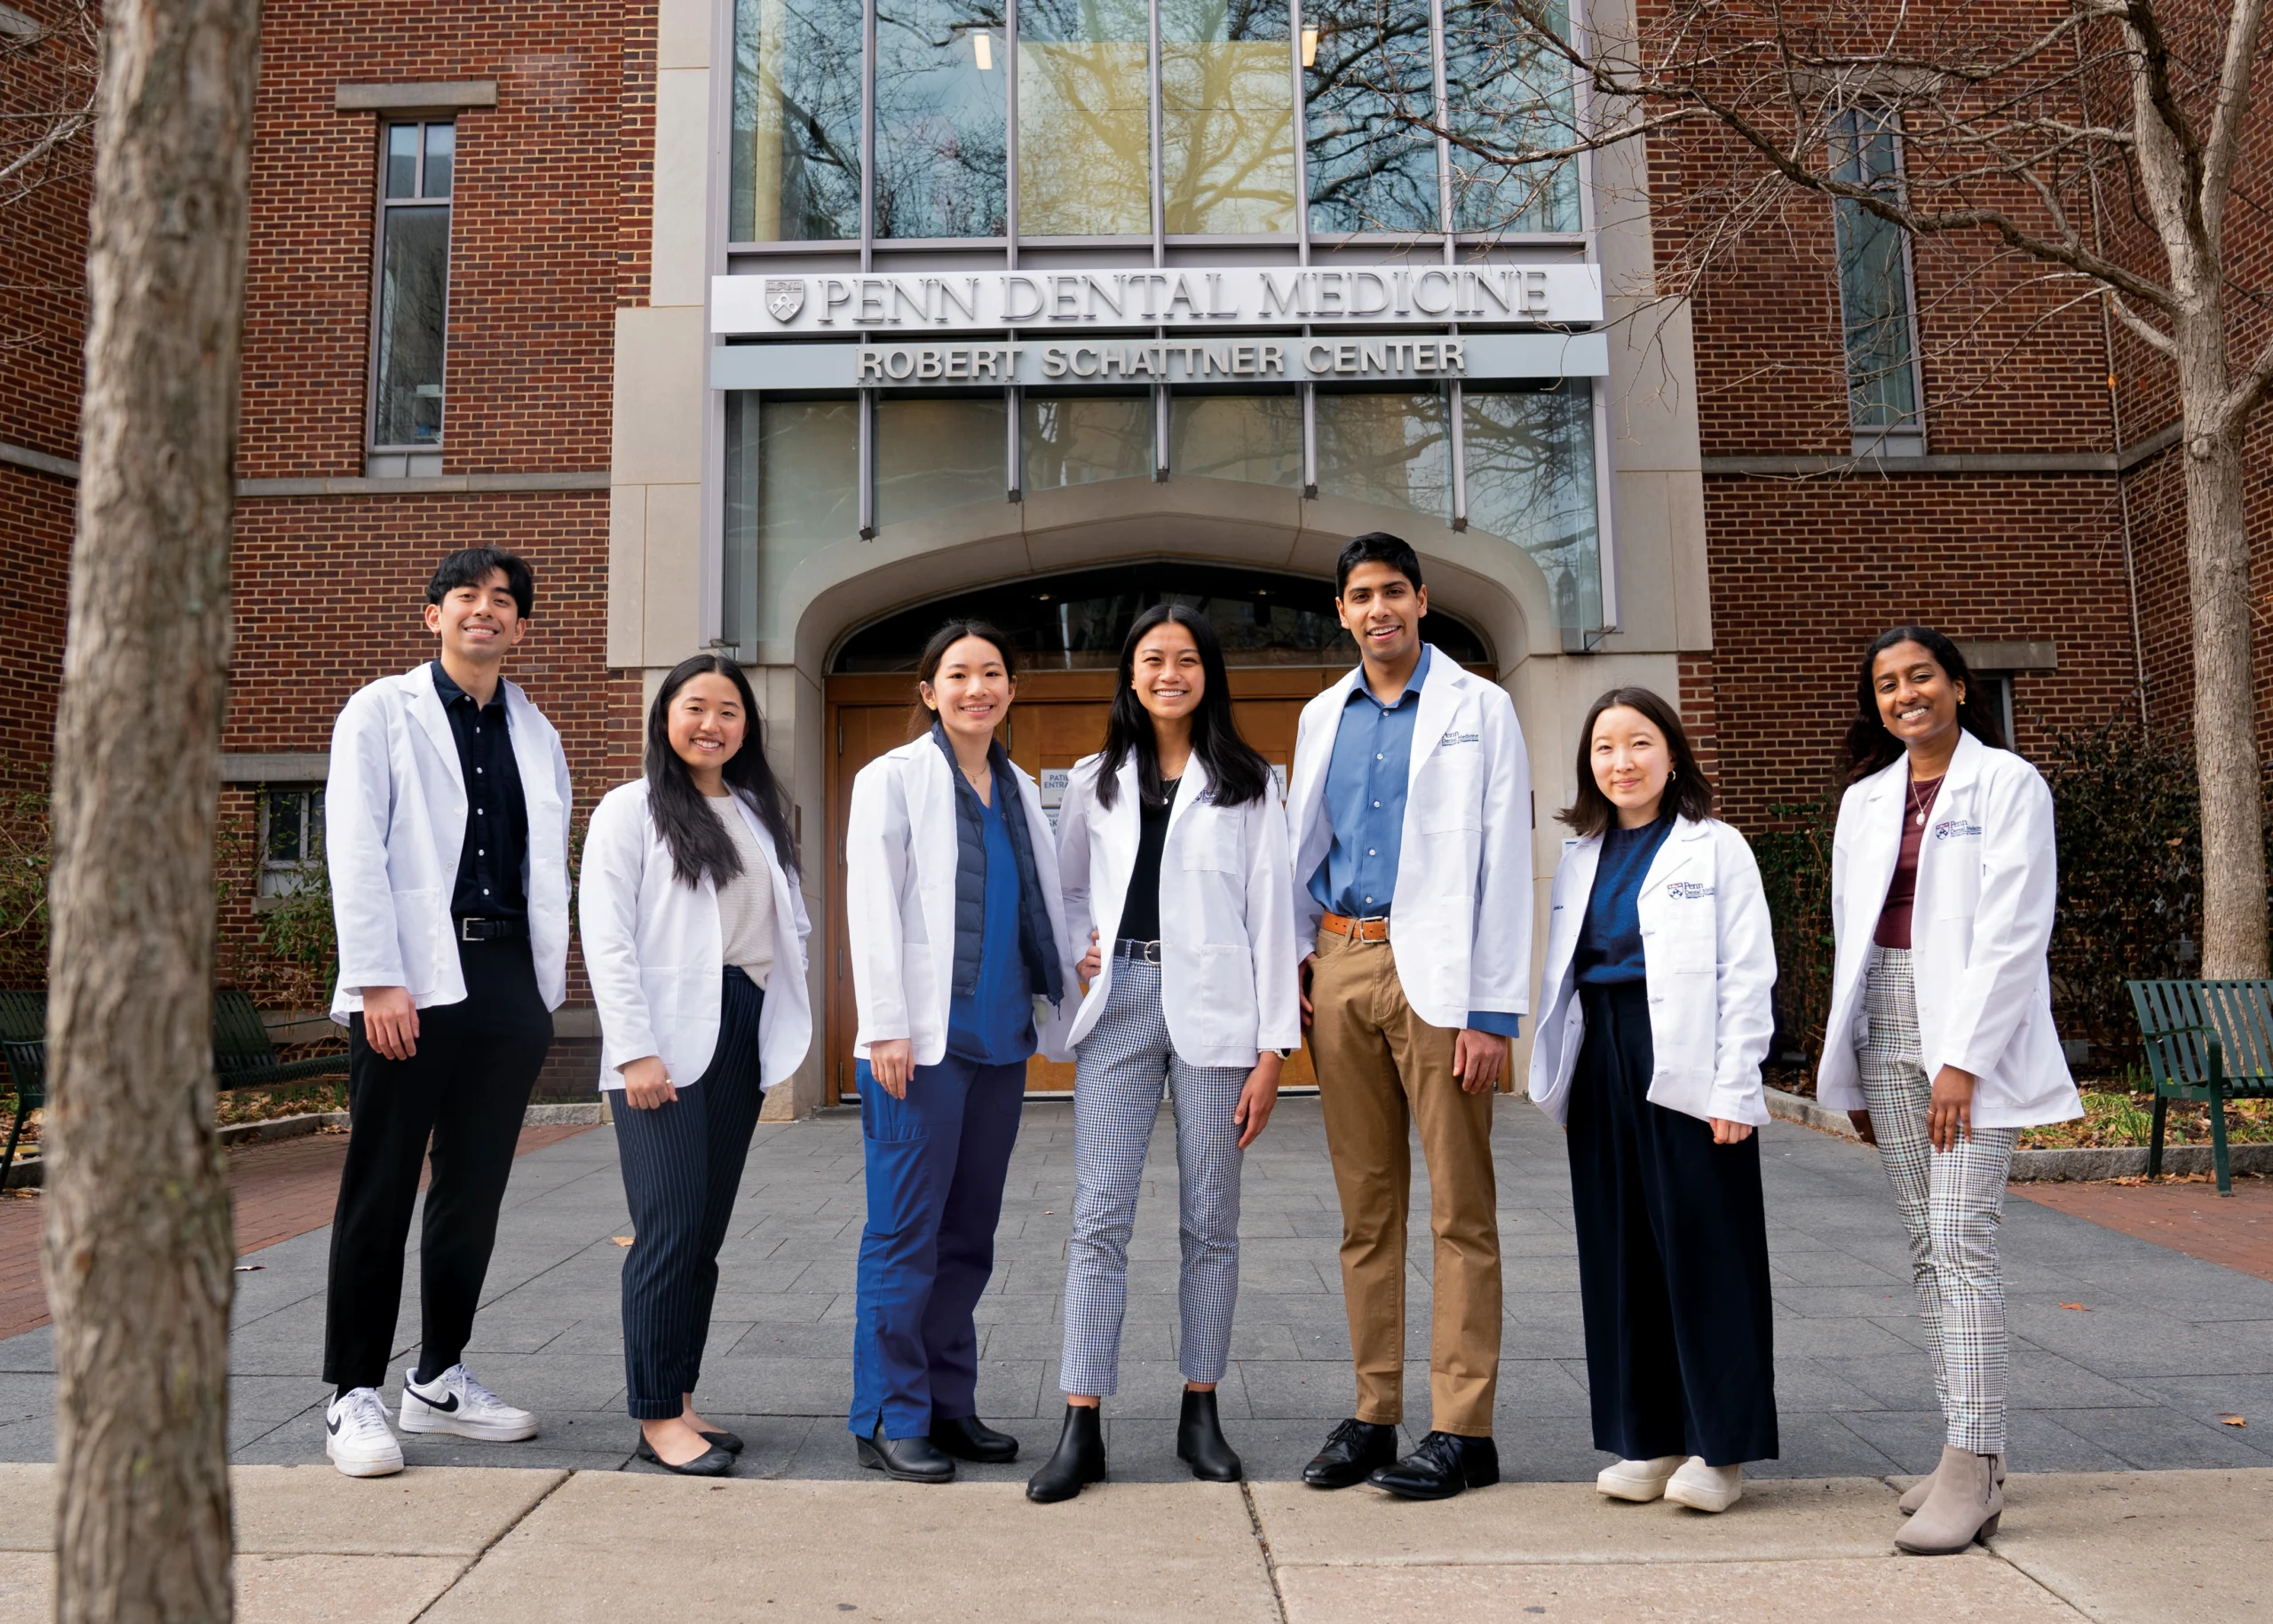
35, 515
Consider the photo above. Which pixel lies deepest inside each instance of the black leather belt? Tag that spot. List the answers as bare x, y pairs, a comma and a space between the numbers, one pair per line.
472, 930
1144, 952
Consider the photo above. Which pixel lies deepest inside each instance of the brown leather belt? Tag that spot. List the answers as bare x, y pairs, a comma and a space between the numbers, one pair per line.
1372, 929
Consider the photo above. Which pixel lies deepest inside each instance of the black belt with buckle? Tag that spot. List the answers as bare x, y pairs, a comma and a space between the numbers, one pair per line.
1144, 952
472, 930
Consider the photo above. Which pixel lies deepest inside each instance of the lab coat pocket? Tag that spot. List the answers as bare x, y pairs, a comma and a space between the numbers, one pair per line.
1222, 993
1449, 791
1210, 844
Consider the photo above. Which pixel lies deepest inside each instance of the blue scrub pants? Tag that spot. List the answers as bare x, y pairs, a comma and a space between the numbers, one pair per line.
936, 1163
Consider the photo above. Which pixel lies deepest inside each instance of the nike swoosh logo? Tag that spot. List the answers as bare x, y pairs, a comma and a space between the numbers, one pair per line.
430, 1404
331, 1425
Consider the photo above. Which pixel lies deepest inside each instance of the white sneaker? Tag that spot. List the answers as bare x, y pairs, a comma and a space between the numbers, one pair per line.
1637, 1480
357, 1437
455, 1402
1705, 1488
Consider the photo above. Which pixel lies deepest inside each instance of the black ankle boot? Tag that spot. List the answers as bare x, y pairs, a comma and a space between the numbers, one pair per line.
1199, 1440
1079, 1459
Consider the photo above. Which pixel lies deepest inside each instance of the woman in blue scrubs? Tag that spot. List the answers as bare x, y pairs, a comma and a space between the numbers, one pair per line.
959, 955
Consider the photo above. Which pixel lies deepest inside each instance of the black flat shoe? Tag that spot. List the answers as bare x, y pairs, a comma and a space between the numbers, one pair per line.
1078, 1461
730, 1442
712, 1462
1200, 1442
910, 1460
1440, 1466
1354, 1452
969, 1439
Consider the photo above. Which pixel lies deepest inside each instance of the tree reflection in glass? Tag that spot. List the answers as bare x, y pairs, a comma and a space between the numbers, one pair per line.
1531, 480
1085, 139
1509, 95
1393, 449
1227, 117
940, 72
1367, 76
795, 167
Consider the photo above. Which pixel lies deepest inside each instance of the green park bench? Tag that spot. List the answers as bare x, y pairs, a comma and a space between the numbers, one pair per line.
2211, 1040
244, 1056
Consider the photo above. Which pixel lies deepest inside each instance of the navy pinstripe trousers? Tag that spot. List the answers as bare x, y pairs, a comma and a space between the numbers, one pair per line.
682, 1166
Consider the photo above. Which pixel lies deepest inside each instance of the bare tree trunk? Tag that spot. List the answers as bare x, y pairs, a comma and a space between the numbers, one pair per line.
138, 1248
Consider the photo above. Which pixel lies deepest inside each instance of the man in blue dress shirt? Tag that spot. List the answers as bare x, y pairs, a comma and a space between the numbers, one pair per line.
1410, 812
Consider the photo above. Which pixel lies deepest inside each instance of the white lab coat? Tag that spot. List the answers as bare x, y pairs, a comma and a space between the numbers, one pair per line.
394, 811
655, 951
1460, 920
1227, 919
1709, 958
1980, 931
900, 901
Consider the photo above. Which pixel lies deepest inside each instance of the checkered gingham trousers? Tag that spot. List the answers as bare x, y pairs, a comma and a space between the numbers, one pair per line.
1121, 1071
1951, 1202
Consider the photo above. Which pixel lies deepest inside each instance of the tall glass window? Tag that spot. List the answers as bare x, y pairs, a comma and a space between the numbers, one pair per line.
933, 453
1393, 449
1366, 73
1080, 440
1507, 93
795, 168
413, 312
941, 66
793, 486
1227, 117
1883, 392
1085, 137
1531, 480
1254, 437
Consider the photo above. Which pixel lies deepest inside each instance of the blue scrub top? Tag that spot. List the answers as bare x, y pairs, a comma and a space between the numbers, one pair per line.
995, 1025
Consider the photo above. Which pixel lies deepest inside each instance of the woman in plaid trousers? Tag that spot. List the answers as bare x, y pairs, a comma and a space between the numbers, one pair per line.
1940, 1043
1172, 850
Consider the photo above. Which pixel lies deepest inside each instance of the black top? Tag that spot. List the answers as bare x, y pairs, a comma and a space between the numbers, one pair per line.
1140, 912
490, 864
1610, 942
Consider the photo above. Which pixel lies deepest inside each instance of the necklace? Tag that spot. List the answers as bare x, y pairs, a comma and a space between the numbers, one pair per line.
1918, 805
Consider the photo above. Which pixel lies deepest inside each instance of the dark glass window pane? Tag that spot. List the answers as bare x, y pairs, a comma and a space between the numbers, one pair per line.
414, 296
441, 150
284, 844
940, 72
402, 160
1365, 62
1509, 94
1874, 279
795, 168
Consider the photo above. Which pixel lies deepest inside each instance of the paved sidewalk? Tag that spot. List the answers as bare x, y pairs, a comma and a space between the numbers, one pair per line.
2187, 1215
461, 1546
2159, 1349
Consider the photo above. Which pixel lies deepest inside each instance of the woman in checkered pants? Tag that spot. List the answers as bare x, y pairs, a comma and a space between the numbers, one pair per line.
1172, 850
1940, 1043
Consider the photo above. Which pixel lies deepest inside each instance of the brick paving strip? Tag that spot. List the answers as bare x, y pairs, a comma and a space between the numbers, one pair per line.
281, 1189
2189, 1216
452, 1545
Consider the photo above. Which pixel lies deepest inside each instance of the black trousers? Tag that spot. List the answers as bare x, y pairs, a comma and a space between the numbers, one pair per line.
466, 1089
1673, 1258
682, 1166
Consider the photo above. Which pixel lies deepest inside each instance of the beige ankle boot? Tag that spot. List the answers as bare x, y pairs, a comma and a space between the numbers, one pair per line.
1914, 1496
1965, 1505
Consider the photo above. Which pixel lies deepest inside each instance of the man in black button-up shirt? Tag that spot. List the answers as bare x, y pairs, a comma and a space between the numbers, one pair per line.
496, 815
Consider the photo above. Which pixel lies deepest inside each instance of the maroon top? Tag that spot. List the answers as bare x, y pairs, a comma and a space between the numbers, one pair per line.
1902, 891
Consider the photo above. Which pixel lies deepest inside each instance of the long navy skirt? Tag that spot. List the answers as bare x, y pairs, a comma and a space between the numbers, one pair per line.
1673, 1258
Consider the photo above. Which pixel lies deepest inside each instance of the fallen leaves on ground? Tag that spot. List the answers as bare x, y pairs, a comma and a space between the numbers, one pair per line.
2079, 1307
2233, 1421
622, 1240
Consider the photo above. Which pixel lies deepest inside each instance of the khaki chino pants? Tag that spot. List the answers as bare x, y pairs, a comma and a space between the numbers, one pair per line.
1381, 1069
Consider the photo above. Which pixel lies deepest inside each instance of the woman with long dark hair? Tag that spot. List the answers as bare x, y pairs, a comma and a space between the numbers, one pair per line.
1940, 1043
694, 938
959, 957
1656, 1011
1173, 848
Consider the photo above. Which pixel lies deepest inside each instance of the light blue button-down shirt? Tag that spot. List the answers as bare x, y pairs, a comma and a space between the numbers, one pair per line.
1365, 780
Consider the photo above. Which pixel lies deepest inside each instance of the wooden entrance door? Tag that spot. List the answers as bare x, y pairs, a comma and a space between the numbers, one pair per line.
1059, 718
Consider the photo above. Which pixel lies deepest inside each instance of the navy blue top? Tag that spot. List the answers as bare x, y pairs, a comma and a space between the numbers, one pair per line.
489, 882
995, 1025
1610, 942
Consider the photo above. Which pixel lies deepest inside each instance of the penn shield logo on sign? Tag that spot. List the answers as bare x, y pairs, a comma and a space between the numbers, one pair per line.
785, 296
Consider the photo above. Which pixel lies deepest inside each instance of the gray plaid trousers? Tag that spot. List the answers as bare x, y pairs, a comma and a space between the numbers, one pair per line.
1950, 1203
1120, 1072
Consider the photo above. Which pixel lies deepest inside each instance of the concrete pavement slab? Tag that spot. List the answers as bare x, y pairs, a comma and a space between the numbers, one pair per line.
873, 1551
300, 1509
2174, 1547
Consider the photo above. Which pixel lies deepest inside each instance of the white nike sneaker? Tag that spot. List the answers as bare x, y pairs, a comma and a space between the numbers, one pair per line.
356, 1437
455, 1402
1637, 1480
1705, 1488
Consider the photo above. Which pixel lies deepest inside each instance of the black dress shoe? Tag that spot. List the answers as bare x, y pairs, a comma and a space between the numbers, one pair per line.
910, 1460
712, 1462
969, 1439
1199, 1441
1354, 1451
1440, 1466
1079, 1460
729, 1442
